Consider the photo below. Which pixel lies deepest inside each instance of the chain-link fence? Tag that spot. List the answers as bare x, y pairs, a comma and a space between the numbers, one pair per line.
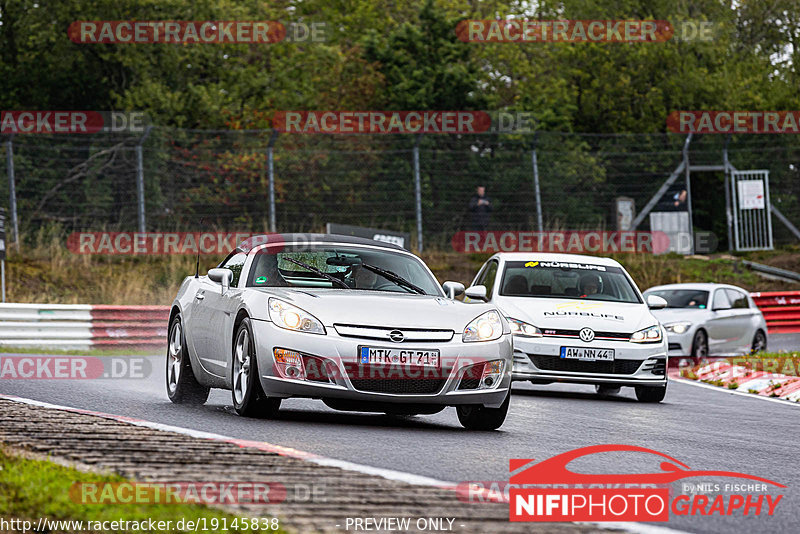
197, 180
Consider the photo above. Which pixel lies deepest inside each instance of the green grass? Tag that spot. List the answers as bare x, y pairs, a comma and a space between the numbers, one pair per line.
33, 489
713, 382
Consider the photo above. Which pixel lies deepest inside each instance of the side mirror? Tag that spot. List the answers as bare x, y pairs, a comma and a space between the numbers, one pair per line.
654, 302
221, 276
453, 289
476, 292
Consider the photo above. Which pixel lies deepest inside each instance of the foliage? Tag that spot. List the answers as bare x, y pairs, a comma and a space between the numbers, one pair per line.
382, 54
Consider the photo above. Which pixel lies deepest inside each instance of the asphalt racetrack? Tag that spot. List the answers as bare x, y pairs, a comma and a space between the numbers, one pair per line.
707, 429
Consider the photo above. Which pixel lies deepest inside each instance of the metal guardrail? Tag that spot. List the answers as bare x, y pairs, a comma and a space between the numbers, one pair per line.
82, 326
781, 310
789, 276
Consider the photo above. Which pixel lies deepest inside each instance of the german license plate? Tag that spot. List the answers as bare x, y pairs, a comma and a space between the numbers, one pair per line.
406, 357
587, 354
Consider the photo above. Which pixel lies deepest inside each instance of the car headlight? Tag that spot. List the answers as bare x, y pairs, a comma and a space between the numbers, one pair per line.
523, 329
678, 328
485, 327
648, 335
290, 317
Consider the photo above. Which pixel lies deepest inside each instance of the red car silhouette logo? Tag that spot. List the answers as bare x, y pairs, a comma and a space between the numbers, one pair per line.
554, 470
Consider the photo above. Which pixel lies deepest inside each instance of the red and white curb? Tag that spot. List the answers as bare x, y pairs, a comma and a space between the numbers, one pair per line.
734, 378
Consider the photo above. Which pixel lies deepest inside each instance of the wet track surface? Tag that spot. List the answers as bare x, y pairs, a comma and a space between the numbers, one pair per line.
703, 428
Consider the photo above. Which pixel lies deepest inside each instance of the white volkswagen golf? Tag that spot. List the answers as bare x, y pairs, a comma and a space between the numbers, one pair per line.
577, 319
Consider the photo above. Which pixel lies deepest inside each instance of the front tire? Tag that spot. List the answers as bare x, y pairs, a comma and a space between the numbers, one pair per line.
477, 417
650, 394
759, 342
182, 385
248, 397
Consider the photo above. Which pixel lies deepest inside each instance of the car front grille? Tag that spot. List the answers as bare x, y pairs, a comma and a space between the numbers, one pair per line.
617, 336
408, 386
554, 363
397, 379
381, 333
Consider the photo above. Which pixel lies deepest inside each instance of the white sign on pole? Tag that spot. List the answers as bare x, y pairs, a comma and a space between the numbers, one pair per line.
751, 195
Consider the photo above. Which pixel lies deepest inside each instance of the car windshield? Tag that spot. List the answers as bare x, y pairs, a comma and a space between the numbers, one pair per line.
567, 280
340, 267
683, 298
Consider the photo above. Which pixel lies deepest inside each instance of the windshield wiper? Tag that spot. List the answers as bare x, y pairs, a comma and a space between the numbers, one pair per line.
394, 277
317, 271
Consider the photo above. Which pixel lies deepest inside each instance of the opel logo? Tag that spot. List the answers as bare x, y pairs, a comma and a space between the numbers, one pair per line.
397, 336
586, 334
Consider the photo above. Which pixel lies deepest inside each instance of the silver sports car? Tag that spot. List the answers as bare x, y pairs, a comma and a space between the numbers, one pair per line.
359, 324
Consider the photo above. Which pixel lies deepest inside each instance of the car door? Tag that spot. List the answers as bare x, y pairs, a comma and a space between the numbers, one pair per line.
222, 305
198, 332
743, 317
721, 326
211, 318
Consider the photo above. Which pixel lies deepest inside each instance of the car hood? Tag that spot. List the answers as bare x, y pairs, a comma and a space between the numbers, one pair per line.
382, 308
674, 315
571, 314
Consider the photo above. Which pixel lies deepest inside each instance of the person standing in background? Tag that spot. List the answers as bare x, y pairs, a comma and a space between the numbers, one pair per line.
480, 206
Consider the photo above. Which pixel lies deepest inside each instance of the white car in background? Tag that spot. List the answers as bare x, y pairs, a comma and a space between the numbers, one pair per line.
577, 319
710, 320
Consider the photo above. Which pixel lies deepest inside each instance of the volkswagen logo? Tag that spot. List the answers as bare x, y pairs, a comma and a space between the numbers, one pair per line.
586, 334
397, 336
